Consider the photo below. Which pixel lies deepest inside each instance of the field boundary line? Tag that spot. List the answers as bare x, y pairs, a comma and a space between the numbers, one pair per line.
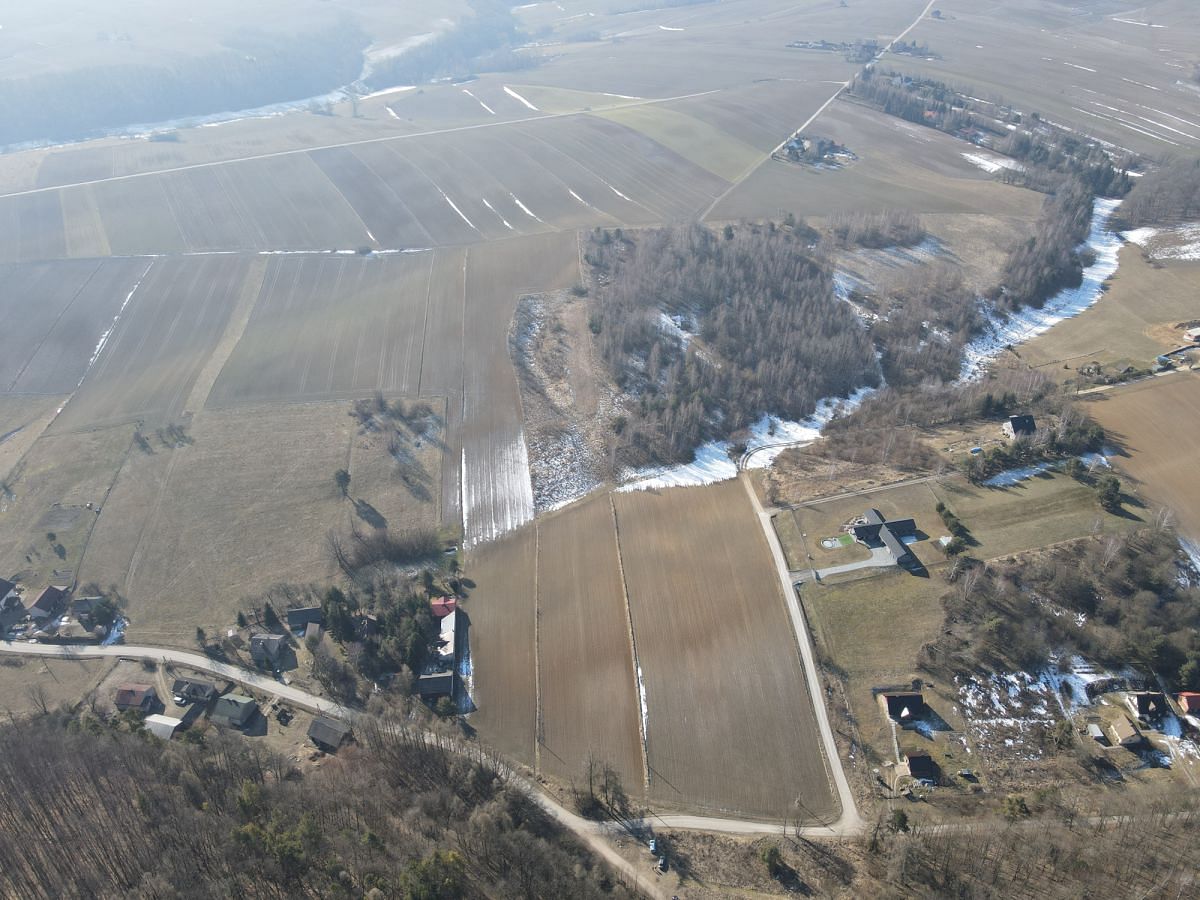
296, 151
539, 734
637, 667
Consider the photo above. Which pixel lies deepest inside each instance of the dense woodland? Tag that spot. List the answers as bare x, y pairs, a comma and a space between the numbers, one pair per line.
483, 43
257, 69
769, 334
1134, 593
1169, 195
95, 808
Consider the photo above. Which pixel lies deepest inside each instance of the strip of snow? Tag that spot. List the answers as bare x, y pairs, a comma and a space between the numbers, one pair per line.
619, 194
497, 491
498, 216
1140, 84
1025, 324
1140, 236
1179, 242
525, 209
668, 28
1130, 125
769, 437
581, 200
454, 207
1074, 66
480, 102
992, 164
1016, 476
1169, 116
642, 708
1132, 22
386, 91
371, 236
100, 344
518, 97
392, 113
620, 96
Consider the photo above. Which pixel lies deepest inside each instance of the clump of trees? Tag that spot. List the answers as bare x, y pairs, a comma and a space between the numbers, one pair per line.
406, 814
876, 230
1126, 599
769, 334
1168, 195
367, 549
1072, 435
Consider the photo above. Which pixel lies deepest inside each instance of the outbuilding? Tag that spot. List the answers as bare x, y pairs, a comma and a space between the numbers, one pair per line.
328, 734
904, 706
1126, 733
1019, 426
163, 727
133, 695
234, 710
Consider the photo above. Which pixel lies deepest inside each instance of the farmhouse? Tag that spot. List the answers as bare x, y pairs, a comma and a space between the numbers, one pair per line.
49, 603
299, 619
328, 734
879, 532
1147, 705
234, 710
266, 649
904, 706
1019, 426
185, 690
1126, 733
163, 726
132, 695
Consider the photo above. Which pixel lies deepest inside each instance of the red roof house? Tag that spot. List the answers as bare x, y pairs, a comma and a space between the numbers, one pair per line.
1190, 702
443, 606
132, 695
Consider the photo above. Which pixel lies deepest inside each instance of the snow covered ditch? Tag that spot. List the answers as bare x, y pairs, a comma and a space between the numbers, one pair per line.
1003, 331
769, 437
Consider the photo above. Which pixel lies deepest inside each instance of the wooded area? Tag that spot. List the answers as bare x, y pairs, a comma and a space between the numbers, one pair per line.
770, 335
1169, 195
95, 808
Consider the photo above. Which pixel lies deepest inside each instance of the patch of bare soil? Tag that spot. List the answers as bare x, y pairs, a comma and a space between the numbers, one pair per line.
567, 401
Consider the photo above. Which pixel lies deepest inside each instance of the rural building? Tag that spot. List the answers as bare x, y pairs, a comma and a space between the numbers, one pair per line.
1126, 733
163, 726
299, 619
1019, 426
1148, 705
8, 595
921, 765
877, 531
443, 606
1189, 703
436, 684
234, 710
185, 690
266, 649
1192, 334
447, 652
367, 625
132, 695
49, 603
328, 734
904, 706
81, 607
1096, 733
312, 631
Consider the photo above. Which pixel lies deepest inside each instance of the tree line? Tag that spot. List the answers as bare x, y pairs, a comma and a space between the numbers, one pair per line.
257, 69
768, 334
1169, 195
96, 807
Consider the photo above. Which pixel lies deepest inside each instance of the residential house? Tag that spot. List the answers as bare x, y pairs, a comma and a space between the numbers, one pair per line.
163, 726
876, 531
1147, 705
328, 734
299, 619
185, 690
234, 710
904, 706
1019, 426
443, 606
1126, 733
267, 649
132, 695
49, 604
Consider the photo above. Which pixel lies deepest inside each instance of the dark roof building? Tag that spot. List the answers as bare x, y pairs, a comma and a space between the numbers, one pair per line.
877, 531
132, 695
234, 710
921, 765
905, 706
49, 603
1147, 705
328, 734
8, 592
1020, 426
300, 618
265, 649
436, 684
190, 691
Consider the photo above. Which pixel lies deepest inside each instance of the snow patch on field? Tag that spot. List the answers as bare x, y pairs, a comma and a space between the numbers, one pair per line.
497, 491
769, 437
498, 216
1025, 324
992, 164
454, 207
519, 98
480, 102
668, 28
1132, 22
1181, 242
525, 209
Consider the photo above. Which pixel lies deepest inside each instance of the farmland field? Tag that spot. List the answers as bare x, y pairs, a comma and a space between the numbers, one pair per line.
1157, 425
586, 674
731, 723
